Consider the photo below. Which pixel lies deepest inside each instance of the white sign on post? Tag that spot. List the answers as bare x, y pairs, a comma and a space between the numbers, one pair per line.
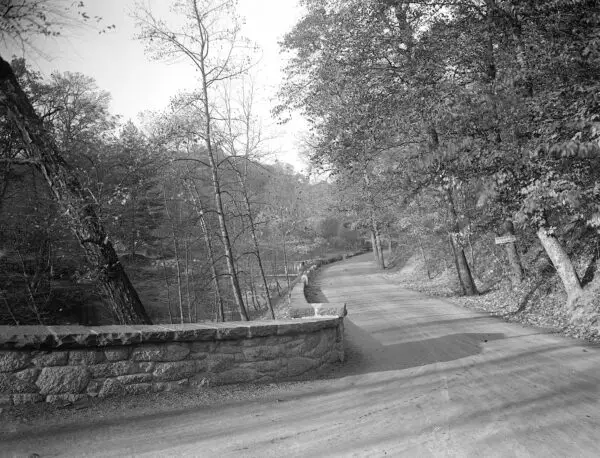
505, 239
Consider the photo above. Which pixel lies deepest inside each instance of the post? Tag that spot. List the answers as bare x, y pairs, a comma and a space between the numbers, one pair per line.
508, 239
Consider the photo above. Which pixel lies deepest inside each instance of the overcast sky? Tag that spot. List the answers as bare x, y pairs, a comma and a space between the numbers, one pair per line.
118, 63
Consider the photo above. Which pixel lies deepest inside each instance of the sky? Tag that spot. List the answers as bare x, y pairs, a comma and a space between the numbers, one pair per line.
136, 83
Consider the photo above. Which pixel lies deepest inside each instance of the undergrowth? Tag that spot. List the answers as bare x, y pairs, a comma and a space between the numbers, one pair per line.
538, 301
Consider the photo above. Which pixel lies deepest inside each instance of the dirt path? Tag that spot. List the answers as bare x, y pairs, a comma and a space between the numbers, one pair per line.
424, 378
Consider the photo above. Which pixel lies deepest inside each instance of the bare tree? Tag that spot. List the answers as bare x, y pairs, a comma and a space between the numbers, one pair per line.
242, 141
210, 41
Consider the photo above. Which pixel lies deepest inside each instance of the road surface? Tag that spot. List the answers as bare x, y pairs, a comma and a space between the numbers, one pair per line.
424, 378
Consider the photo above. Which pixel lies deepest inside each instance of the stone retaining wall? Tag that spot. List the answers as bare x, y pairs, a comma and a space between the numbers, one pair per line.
69, 363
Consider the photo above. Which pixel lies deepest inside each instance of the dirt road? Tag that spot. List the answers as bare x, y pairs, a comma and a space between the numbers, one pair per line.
424, 378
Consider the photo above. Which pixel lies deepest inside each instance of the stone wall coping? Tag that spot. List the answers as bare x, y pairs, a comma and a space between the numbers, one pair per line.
61, 337
319, 309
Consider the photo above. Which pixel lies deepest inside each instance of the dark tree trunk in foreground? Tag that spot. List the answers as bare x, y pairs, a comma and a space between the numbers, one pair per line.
74, 202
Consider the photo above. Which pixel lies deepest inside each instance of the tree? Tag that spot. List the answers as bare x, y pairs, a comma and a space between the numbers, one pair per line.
75, 202
242, 141
457, 95
210, 42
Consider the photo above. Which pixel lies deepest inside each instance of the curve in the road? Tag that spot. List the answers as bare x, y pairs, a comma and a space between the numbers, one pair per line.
423, 378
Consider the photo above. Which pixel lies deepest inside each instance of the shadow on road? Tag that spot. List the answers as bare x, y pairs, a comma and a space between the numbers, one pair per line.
366, 354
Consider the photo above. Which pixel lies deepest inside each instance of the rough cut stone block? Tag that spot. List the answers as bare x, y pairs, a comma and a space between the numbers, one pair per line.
319, 310
311, 341
134, 378
178, 385
59, 380
276, 340
258, 341
203, 332
72, 336
325, 344
316, 324
293, 348
25, 398
177, 370
262, 330
204, 347
113, 369
25, 337
232, 332
28, 375
334, 357
145, 366
13, 360
10, 384
66, 397
263, 353
289, 328
94, 387
299, 365
154, 333
189, 332
228, 347
86, 357
117, 335
117, 353
139, 388
168, 352
302, 312
198, 355
220, 362
111, 387
52, 358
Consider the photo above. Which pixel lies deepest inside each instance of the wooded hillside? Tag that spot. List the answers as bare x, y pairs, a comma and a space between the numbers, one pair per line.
464, 134
449, 123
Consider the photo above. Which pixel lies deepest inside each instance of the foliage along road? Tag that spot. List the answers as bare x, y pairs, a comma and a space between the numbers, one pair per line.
423, 378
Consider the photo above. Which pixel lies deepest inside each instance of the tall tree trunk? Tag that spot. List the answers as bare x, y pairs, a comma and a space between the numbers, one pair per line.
229, 256
250, 217
285, 268
253, 288
378, 249
209, 248
512, 254
562, 263
177, 257
462, 266
75, 203
374, 247
424, 258
132, 252
187, 278
167, 284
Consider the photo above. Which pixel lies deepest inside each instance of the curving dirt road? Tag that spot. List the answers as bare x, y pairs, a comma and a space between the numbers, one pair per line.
423, 378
